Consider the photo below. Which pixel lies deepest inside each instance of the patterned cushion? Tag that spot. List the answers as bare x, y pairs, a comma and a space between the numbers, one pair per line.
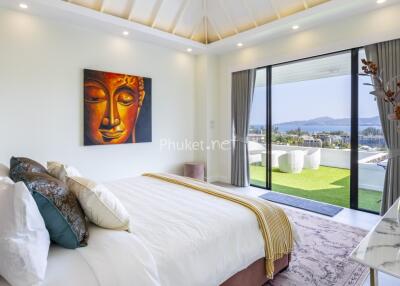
21, 165
59, 208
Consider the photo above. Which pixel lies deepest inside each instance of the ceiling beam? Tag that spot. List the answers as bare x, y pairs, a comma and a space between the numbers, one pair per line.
276, 11
205, 21
102, 5
214, 27
228, 15
305, 4
178, 17
130, 16
154, 13
250, 13
196, 28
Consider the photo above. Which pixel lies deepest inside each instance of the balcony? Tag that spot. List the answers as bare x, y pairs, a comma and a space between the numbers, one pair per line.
331, 182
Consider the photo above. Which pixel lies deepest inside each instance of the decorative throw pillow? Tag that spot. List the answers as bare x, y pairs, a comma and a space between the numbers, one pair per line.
100, 205
24, 240
21, 165
62, 171
59, 208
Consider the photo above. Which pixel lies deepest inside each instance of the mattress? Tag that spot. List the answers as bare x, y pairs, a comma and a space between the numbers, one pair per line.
179, 237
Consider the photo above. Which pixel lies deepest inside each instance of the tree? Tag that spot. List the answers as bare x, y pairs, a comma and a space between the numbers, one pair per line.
371, 131
340, 132
297, 132
326, 145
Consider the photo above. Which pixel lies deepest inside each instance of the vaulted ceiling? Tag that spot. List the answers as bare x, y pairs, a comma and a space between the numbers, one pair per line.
204, 21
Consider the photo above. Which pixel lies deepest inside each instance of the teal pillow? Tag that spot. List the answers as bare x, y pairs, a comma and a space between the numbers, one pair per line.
60, 209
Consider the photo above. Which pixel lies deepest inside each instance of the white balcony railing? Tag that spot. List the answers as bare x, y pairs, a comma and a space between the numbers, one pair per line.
371, 176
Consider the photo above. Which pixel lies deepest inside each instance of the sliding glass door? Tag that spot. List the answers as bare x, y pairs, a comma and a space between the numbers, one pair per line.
315, 132
259, 133
372, 150
311, 128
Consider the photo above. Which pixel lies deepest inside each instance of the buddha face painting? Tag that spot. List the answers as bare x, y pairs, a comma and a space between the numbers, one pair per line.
112, 105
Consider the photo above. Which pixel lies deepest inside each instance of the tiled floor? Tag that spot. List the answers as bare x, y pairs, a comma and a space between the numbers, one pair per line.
347, 216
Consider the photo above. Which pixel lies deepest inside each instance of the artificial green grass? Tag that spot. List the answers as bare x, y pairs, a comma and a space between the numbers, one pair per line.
327, 184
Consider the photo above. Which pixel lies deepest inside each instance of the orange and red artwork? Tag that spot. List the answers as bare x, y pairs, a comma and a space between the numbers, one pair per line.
117, 108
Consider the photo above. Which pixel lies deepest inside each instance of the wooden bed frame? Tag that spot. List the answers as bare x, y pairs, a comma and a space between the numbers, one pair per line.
254, 275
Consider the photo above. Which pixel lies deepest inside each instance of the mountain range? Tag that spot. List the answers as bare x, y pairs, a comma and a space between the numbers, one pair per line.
329, 121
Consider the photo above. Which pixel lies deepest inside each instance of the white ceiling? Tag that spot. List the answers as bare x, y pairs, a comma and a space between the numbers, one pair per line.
204, 21
179, 24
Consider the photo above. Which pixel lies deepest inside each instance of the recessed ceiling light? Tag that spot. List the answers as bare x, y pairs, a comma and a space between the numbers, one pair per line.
295, 27
125, 33
239, 44
23, 6
189, 50
380, 1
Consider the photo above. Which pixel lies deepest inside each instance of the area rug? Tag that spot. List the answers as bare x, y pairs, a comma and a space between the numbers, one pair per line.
300, 203
320, 258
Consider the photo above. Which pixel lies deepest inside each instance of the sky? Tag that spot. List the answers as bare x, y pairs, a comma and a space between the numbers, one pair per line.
310, 99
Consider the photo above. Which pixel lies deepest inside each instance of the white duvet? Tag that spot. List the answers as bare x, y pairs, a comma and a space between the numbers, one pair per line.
179, 237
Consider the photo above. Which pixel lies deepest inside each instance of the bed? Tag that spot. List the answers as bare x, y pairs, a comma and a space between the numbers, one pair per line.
179, 237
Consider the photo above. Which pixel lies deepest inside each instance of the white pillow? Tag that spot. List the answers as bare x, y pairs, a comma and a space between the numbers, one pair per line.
4, 170
6, 180
62, 171
24, 240
100, 205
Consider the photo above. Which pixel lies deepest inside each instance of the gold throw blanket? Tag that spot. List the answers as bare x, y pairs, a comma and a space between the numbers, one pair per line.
274, 224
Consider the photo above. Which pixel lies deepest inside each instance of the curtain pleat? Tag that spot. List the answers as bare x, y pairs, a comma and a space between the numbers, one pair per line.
242, 97
387, 56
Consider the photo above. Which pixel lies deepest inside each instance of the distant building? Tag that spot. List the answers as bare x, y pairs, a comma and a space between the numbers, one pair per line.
345, 139
372, 141
325, 138
336, 139
259, 138
306, 137
312, 142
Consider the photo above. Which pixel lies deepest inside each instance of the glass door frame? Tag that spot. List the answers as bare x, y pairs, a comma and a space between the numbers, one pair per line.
354, 131
354, 188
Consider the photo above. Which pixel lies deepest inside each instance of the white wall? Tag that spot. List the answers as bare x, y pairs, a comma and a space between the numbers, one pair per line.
206, 113
41, 100
372, 27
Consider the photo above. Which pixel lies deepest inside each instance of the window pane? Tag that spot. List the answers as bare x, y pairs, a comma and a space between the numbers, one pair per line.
372, 152
257, 132
311, 110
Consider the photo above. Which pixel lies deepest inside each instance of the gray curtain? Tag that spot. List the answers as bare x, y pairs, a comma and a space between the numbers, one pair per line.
242, 97
387, 56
